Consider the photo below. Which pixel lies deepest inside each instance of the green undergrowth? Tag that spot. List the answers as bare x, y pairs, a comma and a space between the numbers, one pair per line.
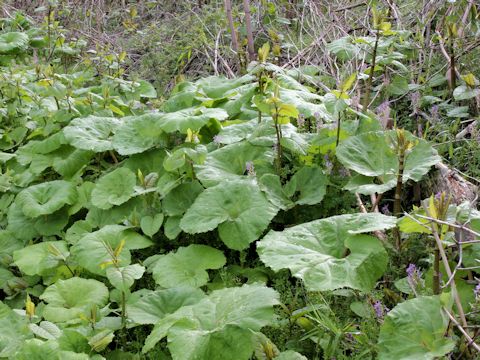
223, 224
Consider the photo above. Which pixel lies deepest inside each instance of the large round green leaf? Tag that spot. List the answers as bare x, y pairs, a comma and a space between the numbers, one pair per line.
92, 133
374, 156
38, 258
152, 306
122, 278
187, 266
415, 329
308, 186
238, 208
46, 198
219, 327
13, 43
14, 331
19, 224
178, 200
191, 118
138, 134
92, 250
229, 163
329, 254
68, 299
114, 188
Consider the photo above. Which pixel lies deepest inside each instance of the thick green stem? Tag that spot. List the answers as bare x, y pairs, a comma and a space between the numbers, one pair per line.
453, 75
124, 311
338, 129
397, 205
436, 272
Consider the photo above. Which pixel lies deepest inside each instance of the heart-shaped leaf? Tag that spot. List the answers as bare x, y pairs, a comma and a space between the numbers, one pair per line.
138, 134
92, 250
191, 118
151, 224
329, 254
36, 259
415, 329
114, 188
122, 278
153, 306
219, 327
46, 198
228, 206
229, 163
374, 156
187, 266
92, 133
68, 299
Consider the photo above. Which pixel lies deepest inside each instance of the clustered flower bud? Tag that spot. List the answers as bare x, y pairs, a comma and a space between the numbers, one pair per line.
383, 112
250, 168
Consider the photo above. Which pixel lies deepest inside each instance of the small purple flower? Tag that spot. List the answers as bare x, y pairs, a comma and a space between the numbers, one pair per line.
378, 308
217, 139
411, 270
343, 172
250, 168
350, 337
386, 81
301, 121
385, 210
415, 100
318, 120
414, 277
438, 195
355, 101
383, 112
328, 163
434, 114
476, 291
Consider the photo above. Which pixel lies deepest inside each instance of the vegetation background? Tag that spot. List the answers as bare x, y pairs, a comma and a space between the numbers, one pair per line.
419, 72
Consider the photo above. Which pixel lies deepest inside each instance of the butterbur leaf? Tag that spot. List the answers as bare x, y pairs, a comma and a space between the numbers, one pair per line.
463, 92
331, 253
114, 188
219, 327
37, 349
100, 341
38, 258
172, 227
178, 200
138, 134
229, 163
13, 43
92, 250
415, 329
91, 133
374, 155
14, 332
46, 198
122, 278
144, 89
307, 186
155, 305
191, 118
187, 266
46, 330
151, 224
290, 355
19, 224
229, 206
68, 299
